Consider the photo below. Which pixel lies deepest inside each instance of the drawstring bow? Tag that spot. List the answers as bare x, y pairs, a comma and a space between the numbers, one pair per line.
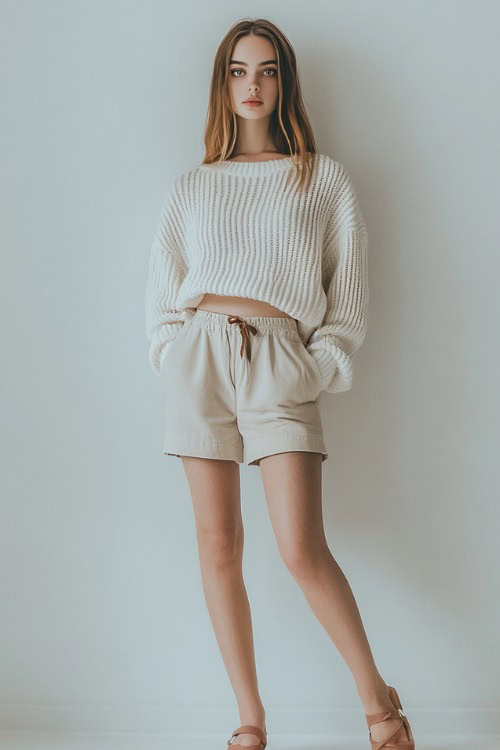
244, 328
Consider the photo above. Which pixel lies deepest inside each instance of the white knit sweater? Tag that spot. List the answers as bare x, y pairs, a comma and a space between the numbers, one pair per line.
233, 228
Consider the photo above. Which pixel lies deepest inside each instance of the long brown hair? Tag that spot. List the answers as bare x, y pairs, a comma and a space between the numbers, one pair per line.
289, 128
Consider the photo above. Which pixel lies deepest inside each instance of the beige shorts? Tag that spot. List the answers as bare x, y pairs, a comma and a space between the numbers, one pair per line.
240, 389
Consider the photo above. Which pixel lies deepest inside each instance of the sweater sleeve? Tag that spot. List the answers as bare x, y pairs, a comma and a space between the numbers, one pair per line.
345, 281
167, 269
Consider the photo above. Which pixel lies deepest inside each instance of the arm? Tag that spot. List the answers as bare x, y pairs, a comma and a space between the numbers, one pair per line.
167, 269
345, 281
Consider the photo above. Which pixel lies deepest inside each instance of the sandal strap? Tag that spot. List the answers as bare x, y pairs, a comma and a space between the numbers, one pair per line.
250, 729
381, 716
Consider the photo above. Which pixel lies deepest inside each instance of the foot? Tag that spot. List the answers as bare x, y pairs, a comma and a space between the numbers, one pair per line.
246, 739
382, 729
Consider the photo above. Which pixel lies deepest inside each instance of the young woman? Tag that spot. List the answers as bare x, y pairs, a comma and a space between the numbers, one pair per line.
256, 302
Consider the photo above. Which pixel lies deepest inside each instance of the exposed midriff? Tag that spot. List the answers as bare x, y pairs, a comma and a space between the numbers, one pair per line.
241, 306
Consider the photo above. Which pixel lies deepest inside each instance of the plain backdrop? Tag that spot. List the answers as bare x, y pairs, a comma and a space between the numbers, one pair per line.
103, 621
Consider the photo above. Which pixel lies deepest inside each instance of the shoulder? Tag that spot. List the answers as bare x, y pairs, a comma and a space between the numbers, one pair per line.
178, 188
334, 173
182, 181
336, 177
343, 201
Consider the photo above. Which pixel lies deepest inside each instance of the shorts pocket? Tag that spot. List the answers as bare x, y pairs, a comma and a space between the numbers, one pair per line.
174, 344
315, 364
311, 362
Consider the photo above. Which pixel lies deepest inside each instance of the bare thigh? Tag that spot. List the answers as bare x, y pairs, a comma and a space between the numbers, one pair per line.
293, 489
215, 492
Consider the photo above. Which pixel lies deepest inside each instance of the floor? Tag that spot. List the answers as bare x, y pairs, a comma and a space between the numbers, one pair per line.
68, 741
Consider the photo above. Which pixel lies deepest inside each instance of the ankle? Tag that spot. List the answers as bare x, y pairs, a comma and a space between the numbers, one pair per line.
376, 699
257, 719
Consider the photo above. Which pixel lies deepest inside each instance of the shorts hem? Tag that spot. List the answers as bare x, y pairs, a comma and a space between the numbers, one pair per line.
202, 448
286, 443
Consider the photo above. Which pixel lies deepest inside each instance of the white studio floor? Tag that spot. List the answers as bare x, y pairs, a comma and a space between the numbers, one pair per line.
69, 741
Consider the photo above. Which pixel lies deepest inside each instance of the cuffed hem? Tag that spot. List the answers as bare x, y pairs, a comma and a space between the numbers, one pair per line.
284, 442
160, 343
326, 364
175, 445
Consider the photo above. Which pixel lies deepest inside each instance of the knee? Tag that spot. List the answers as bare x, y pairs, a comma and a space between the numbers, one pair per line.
220, 547
302, 557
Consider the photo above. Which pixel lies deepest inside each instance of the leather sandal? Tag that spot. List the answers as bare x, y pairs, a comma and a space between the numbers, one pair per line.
398, 744
250, 729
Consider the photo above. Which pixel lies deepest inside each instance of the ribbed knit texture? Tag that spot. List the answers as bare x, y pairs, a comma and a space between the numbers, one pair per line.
234, 228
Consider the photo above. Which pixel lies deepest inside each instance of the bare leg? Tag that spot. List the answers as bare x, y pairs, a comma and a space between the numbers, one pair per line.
215, 491
292, 484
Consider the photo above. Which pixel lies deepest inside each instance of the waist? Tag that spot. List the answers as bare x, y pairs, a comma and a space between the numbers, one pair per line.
242, 306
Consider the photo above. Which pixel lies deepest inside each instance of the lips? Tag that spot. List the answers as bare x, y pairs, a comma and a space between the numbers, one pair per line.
252, 101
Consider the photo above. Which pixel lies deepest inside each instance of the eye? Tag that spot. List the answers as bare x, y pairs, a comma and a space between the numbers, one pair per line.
240, 70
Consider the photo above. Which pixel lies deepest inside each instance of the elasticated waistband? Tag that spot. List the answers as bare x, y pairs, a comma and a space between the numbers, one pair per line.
263, 323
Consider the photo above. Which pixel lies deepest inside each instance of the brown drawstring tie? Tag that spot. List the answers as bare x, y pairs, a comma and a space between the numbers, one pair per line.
244, 328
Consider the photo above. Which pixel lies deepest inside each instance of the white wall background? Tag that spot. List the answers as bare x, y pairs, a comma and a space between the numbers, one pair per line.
104, 625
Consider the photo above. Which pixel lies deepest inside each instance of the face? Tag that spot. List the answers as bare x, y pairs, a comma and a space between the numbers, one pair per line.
253, 72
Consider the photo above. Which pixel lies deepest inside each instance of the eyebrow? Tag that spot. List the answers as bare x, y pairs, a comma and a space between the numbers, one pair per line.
240, 62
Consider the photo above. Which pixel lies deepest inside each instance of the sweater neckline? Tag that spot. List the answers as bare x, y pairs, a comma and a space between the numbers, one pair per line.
250, 168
